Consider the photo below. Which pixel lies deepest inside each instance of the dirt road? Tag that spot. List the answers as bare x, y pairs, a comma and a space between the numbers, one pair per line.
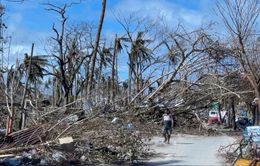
189, 150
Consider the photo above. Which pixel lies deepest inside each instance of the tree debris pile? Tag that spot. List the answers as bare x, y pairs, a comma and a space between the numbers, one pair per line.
100, 133
189, 123
192, 122
77, 138
230, 152
239, 149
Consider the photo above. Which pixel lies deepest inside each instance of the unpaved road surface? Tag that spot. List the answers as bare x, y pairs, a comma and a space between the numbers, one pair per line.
189, 150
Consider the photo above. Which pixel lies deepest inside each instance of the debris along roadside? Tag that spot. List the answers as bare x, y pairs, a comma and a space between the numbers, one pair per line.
245, 150
92, 138
82, 134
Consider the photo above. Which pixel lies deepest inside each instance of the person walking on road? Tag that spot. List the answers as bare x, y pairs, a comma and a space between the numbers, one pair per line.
167, 126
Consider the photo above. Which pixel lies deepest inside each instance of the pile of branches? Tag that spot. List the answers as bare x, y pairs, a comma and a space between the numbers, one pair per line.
102, 135
239, 149
185, 121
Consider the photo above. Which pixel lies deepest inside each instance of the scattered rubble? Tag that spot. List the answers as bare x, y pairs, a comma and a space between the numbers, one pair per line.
244, 149
75, 137
86, 133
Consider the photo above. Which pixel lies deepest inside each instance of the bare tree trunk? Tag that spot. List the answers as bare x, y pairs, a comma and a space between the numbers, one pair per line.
10, 118
94, 53
129, 82
35, 94
23, 117
219, 113
87, 77
99, 87
141, 81
233, 114
257, 115
136, 76
76, 87
108, 89
257, 119
116, 72
53, 91
113, 74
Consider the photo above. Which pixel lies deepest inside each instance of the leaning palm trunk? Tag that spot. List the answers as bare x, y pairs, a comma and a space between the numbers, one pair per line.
94, 54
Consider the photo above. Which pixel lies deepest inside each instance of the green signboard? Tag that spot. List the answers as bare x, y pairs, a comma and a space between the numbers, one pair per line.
215, 106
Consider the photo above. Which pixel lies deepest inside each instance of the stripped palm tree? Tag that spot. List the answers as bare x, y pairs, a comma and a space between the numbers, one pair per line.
38, 64
138, 56
105, 59
34, 67
114, 75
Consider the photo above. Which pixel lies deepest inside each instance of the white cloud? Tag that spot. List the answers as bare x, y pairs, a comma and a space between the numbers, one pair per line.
172, 13
22, 38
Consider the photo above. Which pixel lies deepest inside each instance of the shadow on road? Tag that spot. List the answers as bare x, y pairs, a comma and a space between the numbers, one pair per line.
158, 163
